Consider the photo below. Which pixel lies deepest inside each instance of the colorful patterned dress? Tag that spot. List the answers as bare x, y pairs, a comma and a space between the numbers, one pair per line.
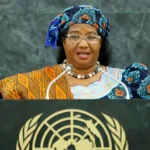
33, 85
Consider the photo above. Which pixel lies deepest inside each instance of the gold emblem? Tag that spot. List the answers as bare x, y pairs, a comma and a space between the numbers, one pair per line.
72, 129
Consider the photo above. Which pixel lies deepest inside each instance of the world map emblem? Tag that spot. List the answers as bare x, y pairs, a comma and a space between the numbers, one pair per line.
72, 129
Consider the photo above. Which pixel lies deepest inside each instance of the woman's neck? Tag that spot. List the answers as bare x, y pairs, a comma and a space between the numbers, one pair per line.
84, 71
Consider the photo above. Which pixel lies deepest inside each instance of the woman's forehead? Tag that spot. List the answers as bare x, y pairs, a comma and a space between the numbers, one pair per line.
82, 27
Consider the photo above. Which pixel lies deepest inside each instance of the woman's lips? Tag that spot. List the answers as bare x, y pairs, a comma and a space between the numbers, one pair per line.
83, 55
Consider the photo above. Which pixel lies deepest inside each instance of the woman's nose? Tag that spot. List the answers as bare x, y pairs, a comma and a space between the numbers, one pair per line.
83, 43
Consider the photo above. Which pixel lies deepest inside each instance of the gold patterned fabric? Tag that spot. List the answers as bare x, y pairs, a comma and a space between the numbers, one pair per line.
33, 85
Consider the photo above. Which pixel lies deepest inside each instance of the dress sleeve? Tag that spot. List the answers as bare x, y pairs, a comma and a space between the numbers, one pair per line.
137, 79
8, 88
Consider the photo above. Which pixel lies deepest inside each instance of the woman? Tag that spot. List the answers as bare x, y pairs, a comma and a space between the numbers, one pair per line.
81, 31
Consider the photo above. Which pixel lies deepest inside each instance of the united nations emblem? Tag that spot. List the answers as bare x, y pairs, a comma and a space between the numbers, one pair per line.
72, 129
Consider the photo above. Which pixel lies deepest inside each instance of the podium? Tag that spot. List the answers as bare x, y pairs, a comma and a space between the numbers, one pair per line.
75, 125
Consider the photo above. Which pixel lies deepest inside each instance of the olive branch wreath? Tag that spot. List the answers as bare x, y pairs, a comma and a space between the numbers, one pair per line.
117, 133
27, 130
26, 133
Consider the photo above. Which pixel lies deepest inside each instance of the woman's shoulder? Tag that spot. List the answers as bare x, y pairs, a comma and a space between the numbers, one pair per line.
131, 70
137, 66
137, 79
135, 72
39, 75
16, 86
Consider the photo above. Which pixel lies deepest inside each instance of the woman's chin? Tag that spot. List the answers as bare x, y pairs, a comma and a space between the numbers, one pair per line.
86, 63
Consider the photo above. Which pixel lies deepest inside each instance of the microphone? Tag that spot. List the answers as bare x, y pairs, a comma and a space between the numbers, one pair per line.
99, 69
68, 68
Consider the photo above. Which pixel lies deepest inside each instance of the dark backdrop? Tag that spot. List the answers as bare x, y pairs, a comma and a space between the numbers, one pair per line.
24, 23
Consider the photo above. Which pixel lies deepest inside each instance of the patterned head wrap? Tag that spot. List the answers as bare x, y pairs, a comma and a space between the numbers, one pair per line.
76, 14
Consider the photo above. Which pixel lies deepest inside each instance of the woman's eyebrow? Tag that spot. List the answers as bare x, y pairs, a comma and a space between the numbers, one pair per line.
92, 32
89, 32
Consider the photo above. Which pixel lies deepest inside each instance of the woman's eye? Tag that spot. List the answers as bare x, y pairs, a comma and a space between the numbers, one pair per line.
75, 36
91, 37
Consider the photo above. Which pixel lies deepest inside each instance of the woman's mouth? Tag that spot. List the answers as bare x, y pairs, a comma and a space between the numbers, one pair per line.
83, 55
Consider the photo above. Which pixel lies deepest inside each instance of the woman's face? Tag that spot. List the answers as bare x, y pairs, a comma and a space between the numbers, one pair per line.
82, 54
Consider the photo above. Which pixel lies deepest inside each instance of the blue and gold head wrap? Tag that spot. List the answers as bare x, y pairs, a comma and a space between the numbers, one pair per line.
76, 14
